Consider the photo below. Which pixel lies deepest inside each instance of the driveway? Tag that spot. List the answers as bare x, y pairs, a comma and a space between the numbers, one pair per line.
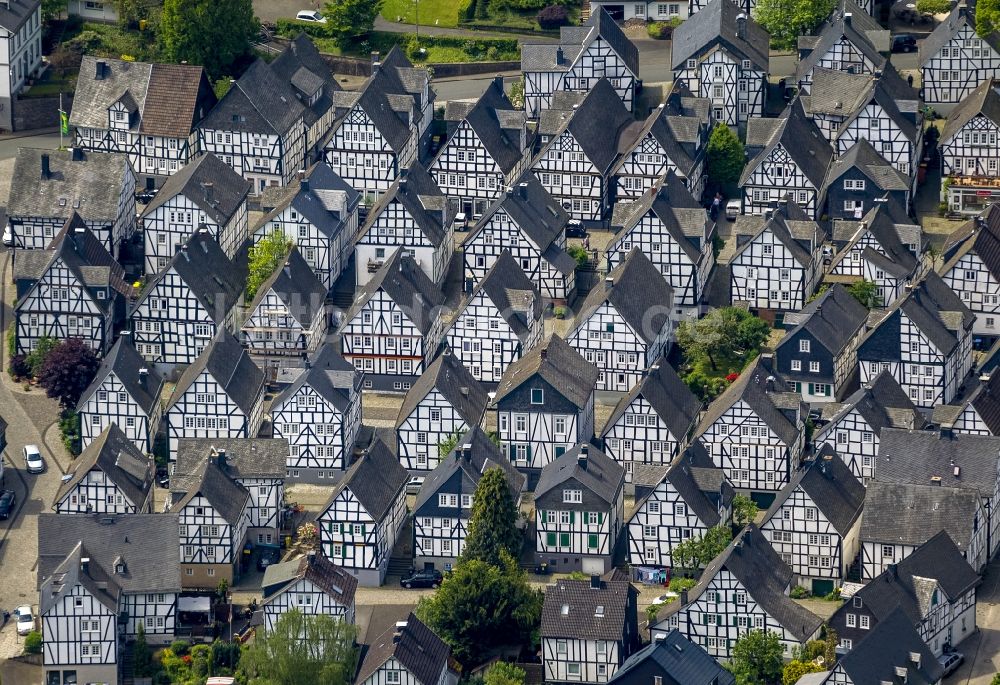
982, 650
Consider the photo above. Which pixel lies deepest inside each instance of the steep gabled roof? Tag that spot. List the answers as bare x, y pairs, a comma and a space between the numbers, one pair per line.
678, 129
717, 22
70, 573
16, 12
573, 40
325, 200
223, 493
509, 290
980, 235
885, 222
849, 21
259, 101
789, 224
682, 661
415, 646
831, 487
79, 182
210, 184
798, 136
239, 458
302, 65
668, 395
577, 610
231, 367
297, 287
408, 286
495, 122
961, 16
597, 472
912, 456
559, 365
448, 376
982, 100
832, 319
986, 402
862, 156
687, 478
882, 404
420, 196
597, 125
331, 376
122, 463
845, 94
376, 480
318, 570
889, 646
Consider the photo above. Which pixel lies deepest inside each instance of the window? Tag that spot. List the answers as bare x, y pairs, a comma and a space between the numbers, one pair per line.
573, 669
863, 621
537, 396
796, 365
573, 496
392, 677
814, 367
852, 620
887, 552
804, 345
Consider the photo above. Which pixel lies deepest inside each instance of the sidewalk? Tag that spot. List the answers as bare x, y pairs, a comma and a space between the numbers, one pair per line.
30, 133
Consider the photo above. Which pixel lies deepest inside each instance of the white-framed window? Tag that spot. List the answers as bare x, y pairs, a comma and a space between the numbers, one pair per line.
573, 496
804, 345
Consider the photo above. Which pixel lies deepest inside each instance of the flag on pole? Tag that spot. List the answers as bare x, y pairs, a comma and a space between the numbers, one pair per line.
63, 123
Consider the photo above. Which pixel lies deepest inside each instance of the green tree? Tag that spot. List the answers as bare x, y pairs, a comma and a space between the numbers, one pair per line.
865, 292
301, 649
492, 530
714, 543
265, 257
786, 20
142, 656
347, 20
744, 510
517, 93
504, 673
448, 445
213, 33
36, 358
987, 17
723, 334
52, 9
131, 12
996, 679
757, 658
685, 554
726, 156
480, 606
934, 6
33, 643
795, 669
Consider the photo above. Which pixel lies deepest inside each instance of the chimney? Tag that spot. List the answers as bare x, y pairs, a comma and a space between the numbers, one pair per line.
957, 472
85, 565
376, 61
522, 191
609, 282
467, 452
143, 375
683, 598
583, 457
77, 154
397, 632
402, 180
498, 81
464, 390
46, 169
543, 352
847, 18
741, 25
208, 188
595, 582
559, 55
99, 70
936, 480
220, 458
304, 185
311, 557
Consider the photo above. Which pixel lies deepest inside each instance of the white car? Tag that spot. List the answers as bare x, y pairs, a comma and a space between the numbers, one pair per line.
8, 236
311, 15
733, 209
25, 621
664, 599
33, 459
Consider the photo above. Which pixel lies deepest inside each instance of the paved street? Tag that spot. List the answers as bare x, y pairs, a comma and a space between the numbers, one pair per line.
982, 651
10, 144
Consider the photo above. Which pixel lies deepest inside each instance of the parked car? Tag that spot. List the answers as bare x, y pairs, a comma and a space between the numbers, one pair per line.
310, 15
950, 662
575, 229
33, 459
146, 196
424, 578
665, 598
414, 484
7, 500
25, 621
733, 209
8, 236
267, 556
904, 42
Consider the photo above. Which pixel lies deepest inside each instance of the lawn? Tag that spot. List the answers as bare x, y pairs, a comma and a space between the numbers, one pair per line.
51, 84
431, 12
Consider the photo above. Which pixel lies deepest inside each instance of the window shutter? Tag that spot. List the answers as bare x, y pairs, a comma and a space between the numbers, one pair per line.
362, 529
528, 451
704, 619
600, 517
810, 388
343, 550
550, 539
734, 621
572, 516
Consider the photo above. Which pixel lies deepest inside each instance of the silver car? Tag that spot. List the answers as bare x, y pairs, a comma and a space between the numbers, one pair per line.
33, 459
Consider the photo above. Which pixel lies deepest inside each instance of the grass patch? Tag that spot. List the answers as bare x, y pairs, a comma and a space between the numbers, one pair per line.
432, 12
52, 84
109, 40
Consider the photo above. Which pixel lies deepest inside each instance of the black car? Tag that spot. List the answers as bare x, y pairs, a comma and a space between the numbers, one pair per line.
425, 578
267, 555
7, 499
574, 229
904, 42
146, 196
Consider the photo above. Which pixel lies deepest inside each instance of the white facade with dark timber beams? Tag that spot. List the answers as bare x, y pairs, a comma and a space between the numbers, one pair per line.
954, 60
311, 585
111, 476
971, 264
850, 40
970, 157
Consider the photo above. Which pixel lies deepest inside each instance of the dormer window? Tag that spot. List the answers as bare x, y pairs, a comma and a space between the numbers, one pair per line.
119, 116
537, 396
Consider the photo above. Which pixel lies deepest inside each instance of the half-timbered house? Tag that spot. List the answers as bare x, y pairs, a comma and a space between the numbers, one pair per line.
73, 289
674, 137
485, 151
257, 128
213, 514
579, 511
444, 505
652, 423
220, 395
672, 229
131, 557
311, 585
789, 158
147, 112
958, 461
187, 304
584, 55
680, 507
412, 215
393, 329
778, 259
850, 41
977, 414
288, 319
48, 187
626, 325
318, 211
971, 268
313, 82
954, 59
361, 522
860, 179
205, 194
743, 589
408, 652
970, 156
814, 523
319, 414
754, 431
933, 586
498, 322
924, 340
111, 476
893, 650
125, 393
672, 659
445, 401
854, 427
589, 628
576, 164
383, 127
819, 355
721, 54
529, 223
545, 405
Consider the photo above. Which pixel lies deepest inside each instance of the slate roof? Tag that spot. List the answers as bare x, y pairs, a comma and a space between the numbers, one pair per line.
224, 494
863, 157
147, 543
832, 319
910, 456
302, 65
889, 646
508, 288
297, 287
765, 577
864, 33
598, 125
448, 376
492, 118
845, 94
69, 573
682, 662
668, 395
751, 387
574, 609
16, 12
319, 200
418, 649
90, 186
259, 101
883, 223
120, 81
797, 135
231, 367
121, 462
420, 196
983, 100
599, 474
376, 480
909, 514
210, 184
684, 475
680, 130
574, 39
980, 235
329, 375
789, 224
317, 569
986, 402
831, 487
409, 287
126, 364
960, 16
239, 458
716, 23
206, 270
882, 404
557, 364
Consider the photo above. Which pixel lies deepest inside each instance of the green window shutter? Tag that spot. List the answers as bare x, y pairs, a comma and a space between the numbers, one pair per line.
600, 517
550, 539
513, 452
734, 620
564, 539
572, 517
592, 541
343, 550
810, 387
704, 619
362, 529
560, 450
528, 451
